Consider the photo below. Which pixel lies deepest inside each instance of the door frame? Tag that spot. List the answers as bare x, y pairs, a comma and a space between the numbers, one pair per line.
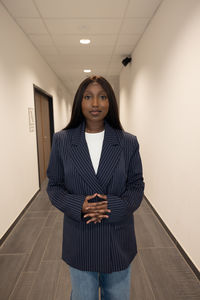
51, 120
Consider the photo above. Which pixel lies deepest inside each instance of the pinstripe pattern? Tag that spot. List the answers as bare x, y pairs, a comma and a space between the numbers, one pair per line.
111, 245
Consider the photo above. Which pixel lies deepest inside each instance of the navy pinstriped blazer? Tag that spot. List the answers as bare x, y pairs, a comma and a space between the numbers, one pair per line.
110, 245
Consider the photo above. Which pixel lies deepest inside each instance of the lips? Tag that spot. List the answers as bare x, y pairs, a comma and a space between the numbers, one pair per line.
95, 112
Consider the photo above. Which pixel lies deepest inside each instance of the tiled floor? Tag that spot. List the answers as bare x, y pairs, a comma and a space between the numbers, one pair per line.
31, 266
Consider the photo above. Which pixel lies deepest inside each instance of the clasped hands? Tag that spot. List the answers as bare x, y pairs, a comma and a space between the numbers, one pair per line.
96, 210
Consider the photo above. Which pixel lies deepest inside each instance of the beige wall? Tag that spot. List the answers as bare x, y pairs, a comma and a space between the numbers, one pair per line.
21, 66
160, 103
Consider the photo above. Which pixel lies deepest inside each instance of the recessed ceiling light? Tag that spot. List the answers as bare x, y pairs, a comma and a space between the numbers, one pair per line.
87, 71
85, 41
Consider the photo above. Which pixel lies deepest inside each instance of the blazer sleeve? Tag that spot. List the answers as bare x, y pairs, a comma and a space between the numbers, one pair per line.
130, 200
70, 204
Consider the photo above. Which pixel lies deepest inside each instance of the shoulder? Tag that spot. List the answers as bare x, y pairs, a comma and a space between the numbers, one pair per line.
129, 136
62, 136
128, 142
129, 139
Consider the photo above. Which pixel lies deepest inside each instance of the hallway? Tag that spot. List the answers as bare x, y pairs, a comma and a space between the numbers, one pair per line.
31, 266
47, 49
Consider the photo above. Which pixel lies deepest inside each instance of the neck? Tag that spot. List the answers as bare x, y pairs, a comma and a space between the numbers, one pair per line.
94, 127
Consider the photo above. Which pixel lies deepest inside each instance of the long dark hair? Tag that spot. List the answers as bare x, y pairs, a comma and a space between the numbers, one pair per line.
112, 116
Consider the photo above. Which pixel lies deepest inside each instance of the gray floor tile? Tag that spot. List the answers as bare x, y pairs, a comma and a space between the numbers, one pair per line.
63, 290
169, 275
51, 219
54, 208
140, 284
41, 202
36, 214
44, 287
53, 250
38, 250
10, 267
150, 233
23, 286
23, 236
144, 208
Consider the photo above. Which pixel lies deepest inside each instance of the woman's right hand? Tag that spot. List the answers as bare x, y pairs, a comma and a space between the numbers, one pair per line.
96, 210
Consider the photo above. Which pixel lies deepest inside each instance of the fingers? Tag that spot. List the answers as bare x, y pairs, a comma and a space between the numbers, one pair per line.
102, 196
95, 220
85, 203
91, 220
96, 205
97, 213
90, 197
97, 209
93, 207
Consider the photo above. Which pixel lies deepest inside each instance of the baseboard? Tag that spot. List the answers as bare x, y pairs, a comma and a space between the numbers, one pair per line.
185, 256
4, 237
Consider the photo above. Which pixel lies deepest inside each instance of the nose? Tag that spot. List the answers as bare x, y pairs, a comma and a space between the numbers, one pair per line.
95, 102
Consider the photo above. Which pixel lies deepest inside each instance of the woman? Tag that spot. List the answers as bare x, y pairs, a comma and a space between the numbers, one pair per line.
95, 179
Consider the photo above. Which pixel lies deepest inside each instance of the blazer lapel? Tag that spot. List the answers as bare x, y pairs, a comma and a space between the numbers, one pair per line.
81, 158
110, 155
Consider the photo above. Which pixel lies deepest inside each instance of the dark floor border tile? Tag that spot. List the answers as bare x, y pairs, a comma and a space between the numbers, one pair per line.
4, 237
183, 253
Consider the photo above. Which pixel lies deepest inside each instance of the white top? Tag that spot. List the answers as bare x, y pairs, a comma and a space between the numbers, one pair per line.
95, 143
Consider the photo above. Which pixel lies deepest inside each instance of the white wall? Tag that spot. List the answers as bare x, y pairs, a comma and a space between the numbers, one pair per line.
160, 103
21, 66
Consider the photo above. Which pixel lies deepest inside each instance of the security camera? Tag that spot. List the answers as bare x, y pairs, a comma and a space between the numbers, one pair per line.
126, 61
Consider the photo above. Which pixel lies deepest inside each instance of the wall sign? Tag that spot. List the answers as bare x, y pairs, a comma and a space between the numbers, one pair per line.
31, 117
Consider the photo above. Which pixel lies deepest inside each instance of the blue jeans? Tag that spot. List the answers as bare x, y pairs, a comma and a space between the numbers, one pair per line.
114, 286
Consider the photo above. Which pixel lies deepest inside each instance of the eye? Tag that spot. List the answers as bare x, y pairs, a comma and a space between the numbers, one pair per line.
103, 97
87, 97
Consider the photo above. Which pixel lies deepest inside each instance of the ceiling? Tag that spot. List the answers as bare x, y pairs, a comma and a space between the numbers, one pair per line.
55, 27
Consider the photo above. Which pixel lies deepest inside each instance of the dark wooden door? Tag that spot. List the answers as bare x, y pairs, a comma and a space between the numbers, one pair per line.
43, 133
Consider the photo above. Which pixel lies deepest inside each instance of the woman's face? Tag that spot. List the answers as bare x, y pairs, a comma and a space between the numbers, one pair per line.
95, 104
